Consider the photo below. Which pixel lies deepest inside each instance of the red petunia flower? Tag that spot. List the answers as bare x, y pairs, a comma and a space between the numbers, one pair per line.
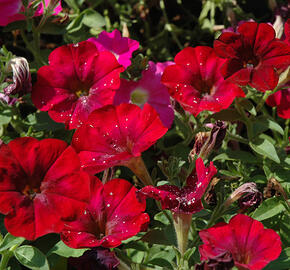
113, 214
287, 32
40, 185
196, 82
281, 99
115, 135
78, 80
253, 56
251, 246
187, 199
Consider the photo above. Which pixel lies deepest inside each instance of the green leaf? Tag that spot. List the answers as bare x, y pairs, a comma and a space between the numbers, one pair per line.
226, 115
269, 208
161, 262
265, 148
9, 241
189, 253
61, 249
282, 262
248, 105
263, 123
31, 257
93, 19
237, 155
162, 237
5, 117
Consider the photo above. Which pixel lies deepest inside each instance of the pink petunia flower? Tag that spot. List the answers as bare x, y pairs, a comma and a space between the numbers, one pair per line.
196, 82
253, 56
113, 214
41, 185
187, 199
121, 47
281, 100
251, 246
123, 132
78, 80
148, 90
13, 10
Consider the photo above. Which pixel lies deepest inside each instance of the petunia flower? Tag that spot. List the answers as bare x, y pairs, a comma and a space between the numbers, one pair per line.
78, 80
251, 246
187, 199
281, 100
40, 186
121, 47
116, 136
196, 82
148, 90
253, 56
13, 10
113, 214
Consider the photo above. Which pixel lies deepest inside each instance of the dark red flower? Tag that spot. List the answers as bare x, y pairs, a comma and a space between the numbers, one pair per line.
251, 246
281, 100
113, 214
78, 80
196, 82
40, 186
187, 199
287, 32
253, 55
113, 135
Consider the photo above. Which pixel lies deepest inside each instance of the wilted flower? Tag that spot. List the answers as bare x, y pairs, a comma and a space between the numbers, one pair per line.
250, 200
223, 261
21, 77
251, 246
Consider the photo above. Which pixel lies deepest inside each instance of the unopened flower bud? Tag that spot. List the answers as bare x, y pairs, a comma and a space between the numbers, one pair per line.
205, 142
21, 77
243, 190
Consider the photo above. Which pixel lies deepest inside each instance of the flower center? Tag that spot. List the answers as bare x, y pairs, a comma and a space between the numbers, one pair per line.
251, 63
30, 192
139, 96
81, 93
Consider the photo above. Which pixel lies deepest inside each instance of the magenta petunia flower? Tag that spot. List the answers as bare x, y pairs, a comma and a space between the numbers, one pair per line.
113, 214
121, 47
9, 10
253, 56
123, 132
196, 82
251, 246
13, 10
281, 100
78, 80
187, 199
40, 186
148, 90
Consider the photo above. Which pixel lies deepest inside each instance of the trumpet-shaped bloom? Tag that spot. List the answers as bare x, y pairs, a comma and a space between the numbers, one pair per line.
121, 47
253, 56
113, 135
251, 246
281, 100
40, 186
187, 199
78, 80
113, 214
148, 90
196, 82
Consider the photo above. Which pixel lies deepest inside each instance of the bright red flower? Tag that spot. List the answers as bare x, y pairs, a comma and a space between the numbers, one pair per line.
253, 55
40, 186
113, 135
187, 199
281, 99
196, 82
251, 246
287, 32
78, 80
113, 214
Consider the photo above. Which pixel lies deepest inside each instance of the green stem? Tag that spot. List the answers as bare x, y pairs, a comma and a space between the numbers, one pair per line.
168, 26
263, 100
237, 138
182, 223
6, 256
245, 118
